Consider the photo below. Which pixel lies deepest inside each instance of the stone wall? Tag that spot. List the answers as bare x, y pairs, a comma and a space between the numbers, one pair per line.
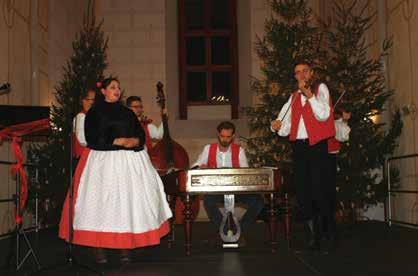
400, 22
37, 36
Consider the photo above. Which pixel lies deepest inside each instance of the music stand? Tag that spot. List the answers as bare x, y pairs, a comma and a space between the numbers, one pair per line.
19, 231
21, 122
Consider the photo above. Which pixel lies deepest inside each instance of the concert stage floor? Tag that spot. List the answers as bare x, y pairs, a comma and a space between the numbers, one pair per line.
367, 248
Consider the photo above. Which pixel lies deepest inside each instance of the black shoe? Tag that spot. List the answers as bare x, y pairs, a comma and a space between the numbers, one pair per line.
329, 244
100, 256
125, 257
313, 237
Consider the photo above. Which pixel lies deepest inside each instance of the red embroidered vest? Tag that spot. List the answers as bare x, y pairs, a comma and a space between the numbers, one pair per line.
212, 155
333, 145
317, 130
148, 141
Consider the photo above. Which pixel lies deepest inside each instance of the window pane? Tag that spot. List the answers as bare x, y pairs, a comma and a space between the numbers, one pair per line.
196, 86
195, 14
220, 14
195, 50
221, 86
220, 50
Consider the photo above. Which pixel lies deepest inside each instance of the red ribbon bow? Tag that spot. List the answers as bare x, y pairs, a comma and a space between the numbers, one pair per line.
15, 133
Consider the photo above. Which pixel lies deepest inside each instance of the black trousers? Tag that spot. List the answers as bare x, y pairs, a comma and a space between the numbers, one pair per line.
332, 183
310, 178
329, 223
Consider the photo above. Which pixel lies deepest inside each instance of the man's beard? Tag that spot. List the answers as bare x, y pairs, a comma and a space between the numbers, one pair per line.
224, 144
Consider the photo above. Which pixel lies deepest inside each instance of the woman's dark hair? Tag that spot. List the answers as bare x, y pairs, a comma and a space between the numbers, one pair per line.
103, 85
106, 82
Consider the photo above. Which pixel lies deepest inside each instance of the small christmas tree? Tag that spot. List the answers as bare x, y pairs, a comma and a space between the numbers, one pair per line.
81, 73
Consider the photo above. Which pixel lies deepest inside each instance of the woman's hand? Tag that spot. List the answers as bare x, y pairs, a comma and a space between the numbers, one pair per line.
119, 142
126, 142
131, 142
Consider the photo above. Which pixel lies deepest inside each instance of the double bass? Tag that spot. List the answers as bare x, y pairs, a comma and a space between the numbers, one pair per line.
167, 156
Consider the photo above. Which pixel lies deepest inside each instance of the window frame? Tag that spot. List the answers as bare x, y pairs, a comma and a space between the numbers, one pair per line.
208, 33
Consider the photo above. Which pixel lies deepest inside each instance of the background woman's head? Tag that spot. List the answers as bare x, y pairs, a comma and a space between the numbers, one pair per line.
87, 99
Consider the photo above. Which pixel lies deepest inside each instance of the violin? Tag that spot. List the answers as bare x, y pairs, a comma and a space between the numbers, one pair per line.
311, 83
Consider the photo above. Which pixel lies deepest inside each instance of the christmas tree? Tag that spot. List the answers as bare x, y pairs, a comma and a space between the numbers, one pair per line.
289, 37
361, 78
81, 73
340, 59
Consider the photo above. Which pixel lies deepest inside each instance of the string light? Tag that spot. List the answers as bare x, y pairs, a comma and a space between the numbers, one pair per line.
219, 99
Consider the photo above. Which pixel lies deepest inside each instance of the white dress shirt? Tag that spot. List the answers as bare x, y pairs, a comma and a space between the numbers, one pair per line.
156, 132
320, 108
223, 159
78, 128
342, 130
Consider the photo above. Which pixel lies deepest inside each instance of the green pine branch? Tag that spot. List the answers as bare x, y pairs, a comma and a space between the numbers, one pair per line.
80, 73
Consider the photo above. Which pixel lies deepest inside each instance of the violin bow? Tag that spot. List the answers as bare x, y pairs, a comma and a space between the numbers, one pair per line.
339, 99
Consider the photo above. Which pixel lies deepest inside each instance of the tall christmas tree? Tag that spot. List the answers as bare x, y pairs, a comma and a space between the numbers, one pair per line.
340, 58
361, 78
81, 73
289, 37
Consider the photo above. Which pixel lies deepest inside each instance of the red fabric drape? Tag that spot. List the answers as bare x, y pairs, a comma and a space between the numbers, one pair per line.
15, 133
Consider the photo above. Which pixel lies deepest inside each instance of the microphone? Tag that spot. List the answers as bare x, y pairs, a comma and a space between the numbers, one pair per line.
5, 88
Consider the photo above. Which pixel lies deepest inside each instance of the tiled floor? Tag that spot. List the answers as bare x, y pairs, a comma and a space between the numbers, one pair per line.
368, 248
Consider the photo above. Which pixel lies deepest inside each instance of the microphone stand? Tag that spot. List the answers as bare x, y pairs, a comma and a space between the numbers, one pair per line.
71, 262
70, 255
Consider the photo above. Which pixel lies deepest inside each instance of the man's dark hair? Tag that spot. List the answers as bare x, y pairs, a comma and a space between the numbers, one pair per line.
302, 62
131, 99
84, 94
226, 125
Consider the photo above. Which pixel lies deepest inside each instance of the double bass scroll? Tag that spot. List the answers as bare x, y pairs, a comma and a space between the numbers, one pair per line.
168, 156
167, 153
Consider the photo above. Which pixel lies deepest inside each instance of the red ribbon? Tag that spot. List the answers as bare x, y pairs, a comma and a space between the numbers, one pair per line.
15, 133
